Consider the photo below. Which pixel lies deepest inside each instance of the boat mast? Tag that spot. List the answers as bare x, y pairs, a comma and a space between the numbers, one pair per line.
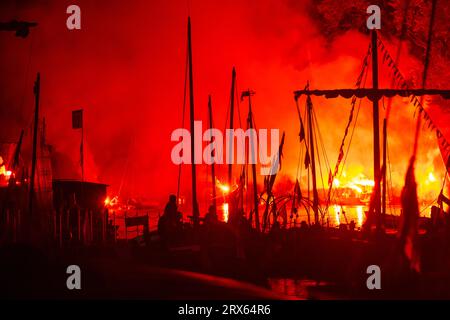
376, 132
213, 172
195, 211
309, 109
384, 168
37, 89
252, 150
231, 146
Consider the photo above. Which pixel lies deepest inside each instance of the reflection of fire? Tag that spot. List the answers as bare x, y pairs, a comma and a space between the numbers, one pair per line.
225, 189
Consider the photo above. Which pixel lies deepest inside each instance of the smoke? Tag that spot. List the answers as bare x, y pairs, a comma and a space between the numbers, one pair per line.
126, 68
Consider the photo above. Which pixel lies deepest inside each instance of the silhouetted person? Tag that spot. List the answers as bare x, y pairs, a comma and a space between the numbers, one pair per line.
170, 221
304, 226
211, 216
352, 225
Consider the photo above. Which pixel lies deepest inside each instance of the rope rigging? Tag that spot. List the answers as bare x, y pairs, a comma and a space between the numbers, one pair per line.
342, 156
418, 104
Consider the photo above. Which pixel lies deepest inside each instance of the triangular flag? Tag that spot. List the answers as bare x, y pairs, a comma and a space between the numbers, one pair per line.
307, 160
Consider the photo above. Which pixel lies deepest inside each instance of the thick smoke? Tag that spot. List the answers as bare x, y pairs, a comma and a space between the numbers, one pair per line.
126, 68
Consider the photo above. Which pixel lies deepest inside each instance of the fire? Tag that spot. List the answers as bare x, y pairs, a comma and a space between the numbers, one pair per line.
337, 211
336, 183
360, 216
431, 177
355, 187
359, 183
224, 187
225, 211
5, 174
110, 202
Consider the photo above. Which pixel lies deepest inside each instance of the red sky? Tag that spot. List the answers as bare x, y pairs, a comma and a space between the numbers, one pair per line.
125, 68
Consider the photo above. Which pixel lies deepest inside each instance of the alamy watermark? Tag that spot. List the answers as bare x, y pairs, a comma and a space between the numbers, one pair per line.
235, 140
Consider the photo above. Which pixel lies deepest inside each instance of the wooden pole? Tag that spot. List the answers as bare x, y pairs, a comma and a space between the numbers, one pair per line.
114, 225
61, 213
376, 132
28, 223
313, 161
384, 194
82, 155
213, 172
195, 211
231, 127
253, 150
126, 229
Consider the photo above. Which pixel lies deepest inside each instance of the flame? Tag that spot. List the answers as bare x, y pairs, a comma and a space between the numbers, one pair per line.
111, 202
336, 183
337, 211
431, 177
359, 183
5, 174
224, 187
225, 211
360, 216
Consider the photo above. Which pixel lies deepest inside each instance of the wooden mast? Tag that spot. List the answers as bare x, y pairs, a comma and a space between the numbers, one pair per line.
384, 169
231, 137
195, 211
313, 161
213, 172
376, 132
37, 88
252, 150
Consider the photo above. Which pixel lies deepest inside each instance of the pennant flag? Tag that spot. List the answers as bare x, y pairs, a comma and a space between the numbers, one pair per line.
307, 160
77, 119
409, 218
302, 131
